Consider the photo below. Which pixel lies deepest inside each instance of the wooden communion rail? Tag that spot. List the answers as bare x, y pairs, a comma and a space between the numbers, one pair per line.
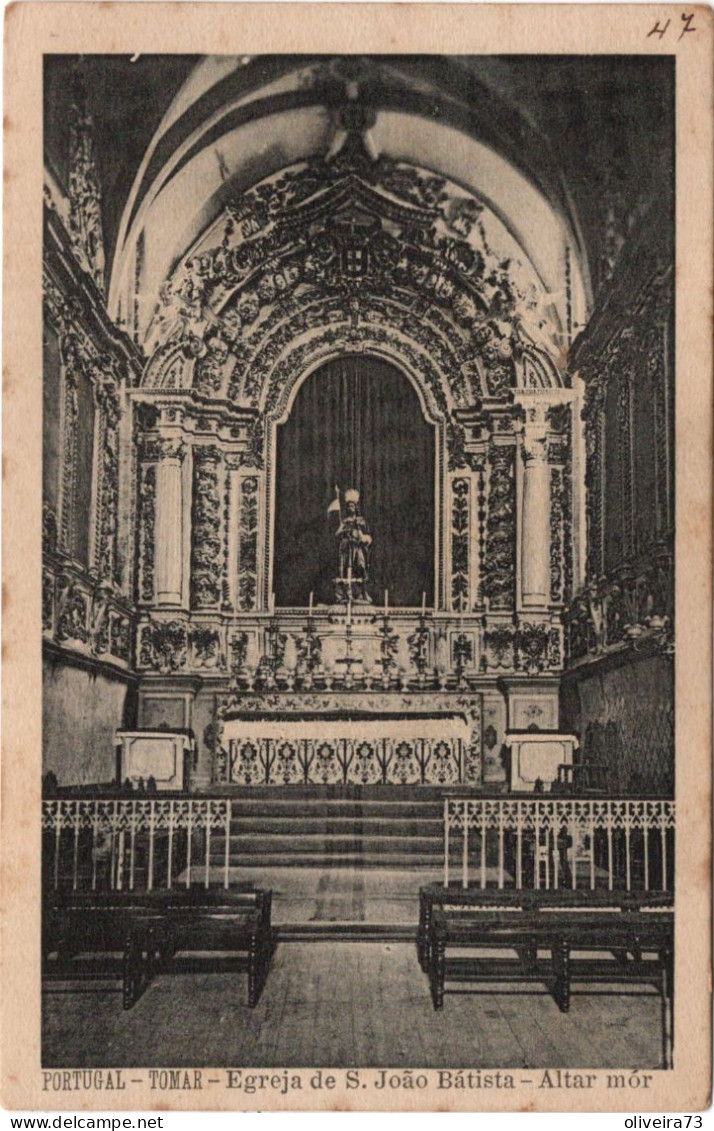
507, 841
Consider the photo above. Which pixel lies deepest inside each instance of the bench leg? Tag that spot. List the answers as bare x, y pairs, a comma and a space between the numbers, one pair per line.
257, 968
166, 945
66, 947
528, 954
153, 953
423, 933
437, 972
133, 961
561, 964
267, 946
667, 992
420, 934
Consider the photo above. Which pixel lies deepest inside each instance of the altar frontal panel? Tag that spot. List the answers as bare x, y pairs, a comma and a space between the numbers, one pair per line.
359, 752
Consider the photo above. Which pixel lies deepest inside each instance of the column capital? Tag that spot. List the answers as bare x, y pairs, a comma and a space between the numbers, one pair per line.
534, 446
171, 448
535, 405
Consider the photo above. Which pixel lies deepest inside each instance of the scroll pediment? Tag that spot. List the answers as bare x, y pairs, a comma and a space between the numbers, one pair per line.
361, 232
352, 194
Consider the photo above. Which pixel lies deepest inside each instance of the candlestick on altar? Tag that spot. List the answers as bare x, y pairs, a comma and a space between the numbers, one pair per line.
349, 595
310, 608
423, 604
386, 602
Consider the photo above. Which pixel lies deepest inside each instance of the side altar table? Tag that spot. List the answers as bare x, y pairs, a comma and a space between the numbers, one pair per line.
536, 755
161, 755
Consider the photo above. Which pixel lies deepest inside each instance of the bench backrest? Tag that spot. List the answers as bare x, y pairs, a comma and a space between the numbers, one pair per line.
584, 926
122, 905
530, 899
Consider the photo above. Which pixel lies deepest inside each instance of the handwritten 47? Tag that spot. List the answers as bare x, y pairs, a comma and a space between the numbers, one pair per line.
661, 31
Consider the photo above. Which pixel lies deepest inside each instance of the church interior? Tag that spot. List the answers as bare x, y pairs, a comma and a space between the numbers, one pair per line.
358, 561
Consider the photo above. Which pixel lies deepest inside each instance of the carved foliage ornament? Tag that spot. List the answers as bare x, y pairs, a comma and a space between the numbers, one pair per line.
239, 652
529, 646
107, 400
48, 597
248, 543
500, 557
633, 609
77, 613
81, 357
330, 228
499, 644
147, 527
163, 646
460, 537
557, 535
85, 215
49, 529
72, 611
622, 357
206, 645
206, 538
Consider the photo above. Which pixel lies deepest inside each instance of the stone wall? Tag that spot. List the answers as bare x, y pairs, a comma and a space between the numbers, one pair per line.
81, 710
624, 716
619, 692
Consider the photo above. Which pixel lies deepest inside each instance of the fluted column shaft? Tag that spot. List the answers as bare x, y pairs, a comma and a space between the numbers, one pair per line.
535, 528
169, 540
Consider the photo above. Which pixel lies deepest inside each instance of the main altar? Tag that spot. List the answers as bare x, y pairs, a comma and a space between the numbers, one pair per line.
337, 739
354, 455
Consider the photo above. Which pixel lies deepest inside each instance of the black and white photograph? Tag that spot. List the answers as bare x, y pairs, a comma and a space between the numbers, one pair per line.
358, 571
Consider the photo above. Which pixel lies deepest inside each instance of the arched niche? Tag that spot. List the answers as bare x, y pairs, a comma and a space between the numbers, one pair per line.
355, 421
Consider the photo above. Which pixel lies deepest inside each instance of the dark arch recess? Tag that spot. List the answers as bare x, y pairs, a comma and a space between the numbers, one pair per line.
356, 422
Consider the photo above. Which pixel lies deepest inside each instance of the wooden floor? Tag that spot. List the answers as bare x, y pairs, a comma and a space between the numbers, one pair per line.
344, 895
339, 1004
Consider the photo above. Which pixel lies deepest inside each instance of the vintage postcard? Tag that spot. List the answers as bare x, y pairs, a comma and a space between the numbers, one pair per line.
357, 575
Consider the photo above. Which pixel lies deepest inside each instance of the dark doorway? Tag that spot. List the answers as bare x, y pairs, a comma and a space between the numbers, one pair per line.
356, 422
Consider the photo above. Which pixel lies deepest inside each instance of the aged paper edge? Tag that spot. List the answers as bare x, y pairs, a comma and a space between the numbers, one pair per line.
35, 28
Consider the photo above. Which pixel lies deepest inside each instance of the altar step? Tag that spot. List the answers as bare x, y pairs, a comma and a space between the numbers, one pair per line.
335, 827
347, 932
311, 829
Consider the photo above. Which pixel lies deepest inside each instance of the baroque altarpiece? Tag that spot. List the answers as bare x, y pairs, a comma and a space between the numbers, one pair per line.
351, 310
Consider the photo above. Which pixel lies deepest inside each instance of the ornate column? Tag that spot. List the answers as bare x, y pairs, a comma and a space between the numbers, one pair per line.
71, 365
105, 534
535, 511
594, 418
169, 540
206, 527
535, 533
231, 529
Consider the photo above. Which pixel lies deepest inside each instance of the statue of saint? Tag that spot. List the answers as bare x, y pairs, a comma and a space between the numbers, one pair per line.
354, 547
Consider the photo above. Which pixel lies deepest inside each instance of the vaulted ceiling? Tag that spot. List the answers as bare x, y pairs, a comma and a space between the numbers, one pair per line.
556, 149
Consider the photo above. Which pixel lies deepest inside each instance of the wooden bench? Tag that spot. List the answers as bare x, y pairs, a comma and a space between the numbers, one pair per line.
185, 901
639, 945
217, 920
99, 936
526, 899
148, 929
